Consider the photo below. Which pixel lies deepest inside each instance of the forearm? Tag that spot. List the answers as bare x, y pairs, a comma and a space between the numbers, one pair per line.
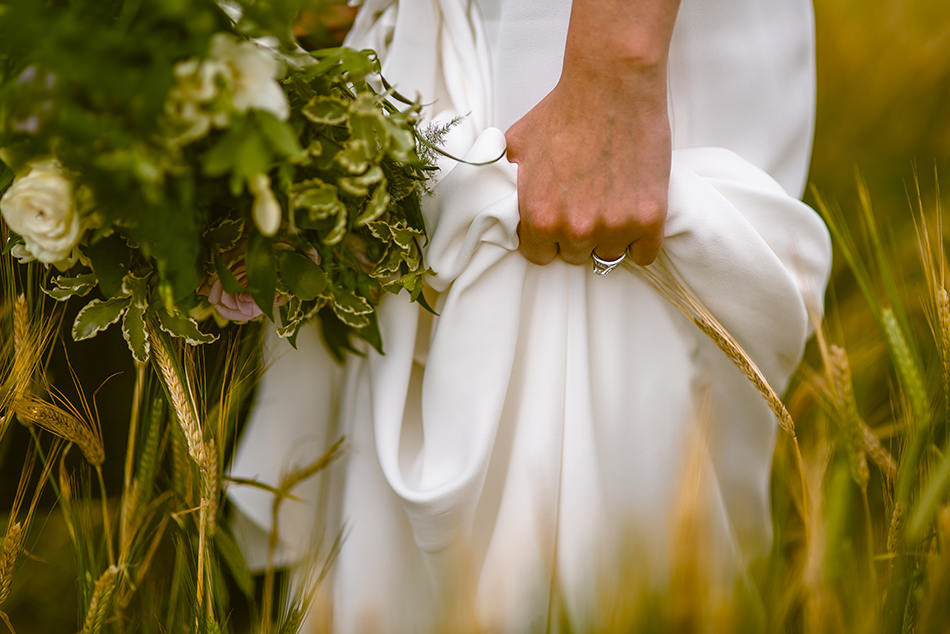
594, 155
608, 36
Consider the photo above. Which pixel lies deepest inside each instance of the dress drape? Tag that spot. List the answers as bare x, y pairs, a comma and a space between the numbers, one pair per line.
542, 422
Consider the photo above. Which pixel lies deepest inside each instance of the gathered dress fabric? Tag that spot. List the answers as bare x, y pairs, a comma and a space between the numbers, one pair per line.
518, 444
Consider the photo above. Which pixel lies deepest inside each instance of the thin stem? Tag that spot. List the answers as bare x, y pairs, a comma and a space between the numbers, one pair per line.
869, 527
202, 512
134, 415
42, 455
105, 515
800, 466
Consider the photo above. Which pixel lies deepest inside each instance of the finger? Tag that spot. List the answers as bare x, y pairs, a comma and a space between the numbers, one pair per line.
645, 250
535, 249
575, 253
609, 250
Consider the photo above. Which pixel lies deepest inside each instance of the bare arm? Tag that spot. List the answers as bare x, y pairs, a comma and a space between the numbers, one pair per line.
594, 155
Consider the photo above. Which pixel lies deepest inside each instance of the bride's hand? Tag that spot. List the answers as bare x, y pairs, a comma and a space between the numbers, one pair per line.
594, 155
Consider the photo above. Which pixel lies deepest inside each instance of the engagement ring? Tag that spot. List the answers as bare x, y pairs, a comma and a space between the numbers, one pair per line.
603, 267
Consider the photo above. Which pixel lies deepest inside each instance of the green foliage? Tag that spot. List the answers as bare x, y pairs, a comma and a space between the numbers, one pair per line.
169, 163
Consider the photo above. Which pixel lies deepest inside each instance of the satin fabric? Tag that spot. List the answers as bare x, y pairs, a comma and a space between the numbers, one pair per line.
543, 423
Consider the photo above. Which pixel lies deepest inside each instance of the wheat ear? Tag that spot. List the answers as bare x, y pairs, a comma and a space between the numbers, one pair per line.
24, 352
12, 545
101, 601
666, 283
180, 397
847, 407
66, 425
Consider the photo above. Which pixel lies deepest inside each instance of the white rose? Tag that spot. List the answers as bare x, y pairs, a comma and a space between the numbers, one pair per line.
40, 207
245, 70
266, 210
253, 75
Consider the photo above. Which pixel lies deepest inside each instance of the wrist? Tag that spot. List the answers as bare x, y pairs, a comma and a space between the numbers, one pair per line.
620, 37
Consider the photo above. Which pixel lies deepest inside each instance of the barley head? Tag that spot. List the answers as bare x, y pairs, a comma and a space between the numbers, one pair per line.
12, 545
101, 602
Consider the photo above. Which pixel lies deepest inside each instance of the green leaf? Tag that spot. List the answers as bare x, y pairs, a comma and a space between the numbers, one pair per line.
242, 150
136, 288
228, 281
134, 332
390, 264
225, 234
98, 315
355, 156
376, 206
279, 134
6, 176
253, 156
315, 148
404, 236
381, 230
219, 160
110, 262
234, 560
317, 197
402, 142
326, 110
367, 123
349, 302
183, 327
302, 275
359, 185
66, 287
371, 335
338, 231
261, 274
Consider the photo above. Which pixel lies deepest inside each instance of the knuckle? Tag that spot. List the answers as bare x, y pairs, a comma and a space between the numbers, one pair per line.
540, 221
579, 228
651, 216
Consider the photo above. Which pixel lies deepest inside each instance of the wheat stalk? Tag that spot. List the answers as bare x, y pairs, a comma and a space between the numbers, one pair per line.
25, 353
667, 284
101, 601
209, 485
848, 413
64, 424
12, 545
878, 454
180, 398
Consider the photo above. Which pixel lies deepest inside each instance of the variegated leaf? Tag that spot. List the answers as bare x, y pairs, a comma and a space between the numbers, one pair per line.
183, 327
98, 315
135, 333
66, 287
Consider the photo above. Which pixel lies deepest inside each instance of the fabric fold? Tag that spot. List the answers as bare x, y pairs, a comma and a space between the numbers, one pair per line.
540, 421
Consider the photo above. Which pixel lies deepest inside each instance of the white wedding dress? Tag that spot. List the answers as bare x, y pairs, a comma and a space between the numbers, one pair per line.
540, 425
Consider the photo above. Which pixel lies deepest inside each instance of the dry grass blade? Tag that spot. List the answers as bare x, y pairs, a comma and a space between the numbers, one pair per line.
65, 424
665, 281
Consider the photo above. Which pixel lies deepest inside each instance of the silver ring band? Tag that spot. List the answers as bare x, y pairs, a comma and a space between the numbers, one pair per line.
603, 267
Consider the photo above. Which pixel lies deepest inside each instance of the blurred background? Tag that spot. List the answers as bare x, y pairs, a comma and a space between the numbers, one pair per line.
883, 123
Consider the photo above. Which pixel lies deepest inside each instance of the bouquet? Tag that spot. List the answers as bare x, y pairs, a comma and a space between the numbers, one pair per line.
175, 161
169, 167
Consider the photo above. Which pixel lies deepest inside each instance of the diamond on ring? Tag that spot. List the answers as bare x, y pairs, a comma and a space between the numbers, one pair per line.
603, 267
